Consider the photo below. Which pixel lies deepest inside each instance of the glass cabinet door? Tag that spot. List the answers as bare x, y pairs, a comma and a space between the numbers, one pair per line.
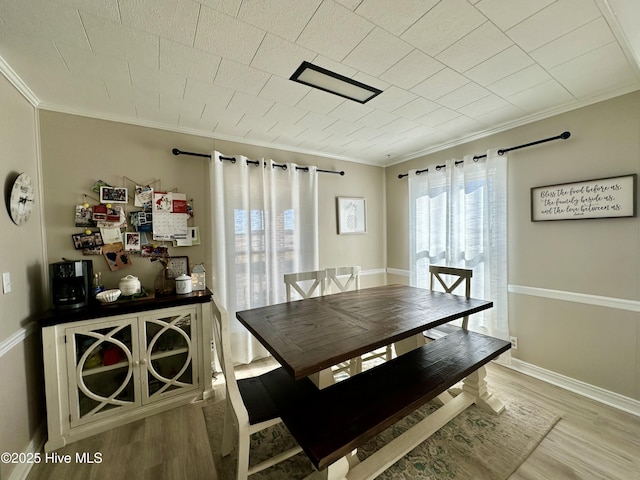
103, 375
169, 342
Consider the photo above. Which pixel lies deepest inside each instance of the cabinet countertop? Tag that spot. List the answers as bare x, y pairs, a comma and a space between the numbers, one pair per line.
119, 307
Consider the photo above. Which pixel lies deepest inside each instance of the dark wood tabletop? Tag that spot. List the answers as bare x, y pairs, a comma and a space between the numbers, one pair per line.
307, 336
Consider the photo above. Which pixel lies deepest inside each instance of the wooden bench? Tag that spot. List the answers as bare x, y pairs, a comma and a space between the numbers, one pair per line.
330, 423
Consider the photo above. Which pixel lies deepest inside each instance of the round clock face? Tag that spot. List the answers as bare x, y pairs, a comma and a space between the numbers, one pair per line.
21, 200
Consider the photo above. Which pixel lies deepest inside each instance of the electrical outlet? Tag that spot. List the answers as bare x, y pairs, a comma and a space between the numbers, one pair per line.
514, 342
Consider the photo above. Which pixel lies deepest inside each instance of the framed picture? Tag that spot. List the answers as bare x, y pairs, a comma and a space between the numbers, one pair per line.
352, 216
178, 266
114, 195
84, 240
610, 197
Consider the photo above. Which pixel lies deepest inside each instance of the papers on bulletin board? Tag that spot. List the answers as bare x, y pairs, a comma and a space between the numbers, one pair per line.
169, 216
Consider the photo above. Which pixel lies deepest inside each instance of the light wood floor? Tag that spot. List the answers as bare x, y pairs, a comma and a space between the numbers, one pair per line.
592, 441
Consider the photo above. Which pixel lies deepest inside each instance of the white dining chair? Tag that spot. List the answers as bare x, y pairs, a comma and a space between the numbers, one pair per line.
343, 279
248, 409
306, 284
449, 278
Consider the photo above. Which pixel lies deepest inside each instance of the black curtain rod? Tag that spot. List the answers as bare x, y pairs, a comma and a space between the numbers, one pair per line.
175, 151
502, 151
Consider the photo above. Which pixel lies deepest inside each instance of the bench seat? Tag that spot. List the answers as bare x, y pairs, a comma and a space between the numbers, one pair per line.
331, 422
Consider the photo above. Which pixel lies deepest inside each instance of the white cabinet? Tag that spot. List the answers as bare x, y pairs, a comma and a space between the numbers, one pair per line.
107, 371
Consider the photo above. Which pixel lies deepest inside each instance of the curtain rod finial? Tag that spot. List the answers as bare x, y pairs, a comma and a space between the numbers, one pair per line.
565, 135
175, 151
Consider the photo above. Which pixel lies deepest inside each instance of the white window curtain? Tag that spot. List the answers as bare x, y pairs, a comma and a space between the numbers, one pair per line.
458, 218
265, 224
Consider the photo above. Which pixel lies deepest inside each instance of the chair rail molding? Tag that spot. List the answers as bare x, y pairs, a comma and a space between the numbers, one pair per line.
597, 300
17, 337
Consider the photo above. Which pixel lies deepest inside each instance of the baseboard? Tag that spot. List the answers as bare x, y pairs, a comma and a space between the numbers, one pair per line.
36, 445
397, 271
598, 394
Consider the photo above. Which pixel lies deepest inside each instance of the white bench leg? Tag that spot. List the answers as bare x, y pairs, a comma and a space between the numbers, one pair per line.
476, 385
336, 471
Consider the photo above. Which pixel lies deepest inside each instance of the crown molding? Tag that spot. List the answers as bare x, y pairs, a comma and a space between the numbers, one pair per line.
17, 82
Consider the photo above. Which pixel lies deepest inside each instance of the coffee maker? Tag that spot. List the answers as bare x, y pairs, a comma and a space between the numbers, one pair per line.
71, 283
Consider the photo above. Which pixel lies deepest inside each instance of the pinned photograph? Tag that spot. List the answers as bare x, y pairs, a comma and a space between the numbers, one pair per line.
132, 241
100, 213
84, 216
83, 240
114, 195
143, 197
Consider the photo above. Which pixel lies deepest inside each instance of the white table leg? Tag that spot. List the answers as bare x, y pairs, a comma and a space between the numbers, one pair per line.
336, 471
323, 378
408, 344
476, 385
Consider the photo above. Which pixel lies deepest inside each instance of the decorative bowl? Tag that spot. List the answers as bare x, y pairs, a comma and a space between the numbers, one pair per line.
108, 296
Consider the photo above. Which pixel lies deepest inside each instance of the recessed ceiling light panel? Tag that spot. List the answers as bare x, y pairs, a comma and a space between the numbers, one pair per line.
328, 81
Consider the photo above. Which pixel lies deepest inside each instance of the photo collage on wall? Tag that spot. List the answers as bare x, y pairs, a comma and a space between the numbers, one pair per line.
117, 225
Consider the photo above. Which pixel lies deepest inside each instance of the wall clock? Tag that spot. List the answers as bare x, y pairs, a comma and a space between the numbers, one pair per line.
21, 199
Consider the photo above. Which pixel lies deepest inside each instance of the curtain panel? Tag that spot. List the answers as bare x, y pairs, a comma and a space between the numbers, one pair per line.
458, 218
265, 224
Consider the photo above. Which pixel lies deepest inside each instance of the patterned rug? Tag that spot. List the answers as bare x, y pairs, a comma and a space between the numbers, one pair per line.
476, 445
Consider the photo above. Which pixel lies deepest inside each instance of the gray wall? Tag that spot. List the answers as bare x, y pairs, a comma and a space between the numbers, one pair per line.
592, 258
22, 393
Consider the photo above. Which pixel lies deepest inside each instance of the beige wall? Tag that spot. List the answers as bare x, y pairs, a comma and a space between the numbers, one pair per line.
77, 151
596, 345
22, 394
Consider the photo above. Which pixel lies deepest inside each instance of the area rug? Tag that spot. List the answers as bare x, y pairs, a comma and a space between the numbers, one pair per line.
476, 445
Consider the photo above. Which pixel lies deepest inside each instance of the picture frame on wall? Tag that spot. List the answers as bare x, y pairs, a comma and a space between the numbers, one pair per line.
352, 215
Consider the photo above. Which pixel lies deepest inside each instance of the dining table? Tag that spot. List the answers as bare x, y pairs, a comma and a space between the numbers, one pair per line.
307, 337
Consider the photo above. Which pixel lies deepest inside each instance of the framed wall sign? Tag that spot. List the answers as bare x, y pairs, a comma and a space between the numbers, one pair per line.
610, 197
352, 216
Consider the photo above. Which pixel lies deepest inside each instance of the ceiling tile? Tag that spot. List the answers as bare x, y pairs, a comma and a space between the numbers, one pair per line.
400, 126
219, 96
409, 71
438, 117
182, 60
443, 25
501, 116
554, 21
240, 77
83, 62
143, 77
505, 63
377, 52
579, 77
284, 113
479, 45
242, 102
397, 19
285, 18
33, 17
315, 122
331, 21
284, 90
319, 101
464, 95
104, 8
192, 107
578, 42
545, 96
391, 99
114, 39
259, 124
350, 111
377, 119
280, 57
481, 107
173, 19
219, 33
343, 127
228, 7
507, 13
416, 108
461, 125
438, 85
519, 81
